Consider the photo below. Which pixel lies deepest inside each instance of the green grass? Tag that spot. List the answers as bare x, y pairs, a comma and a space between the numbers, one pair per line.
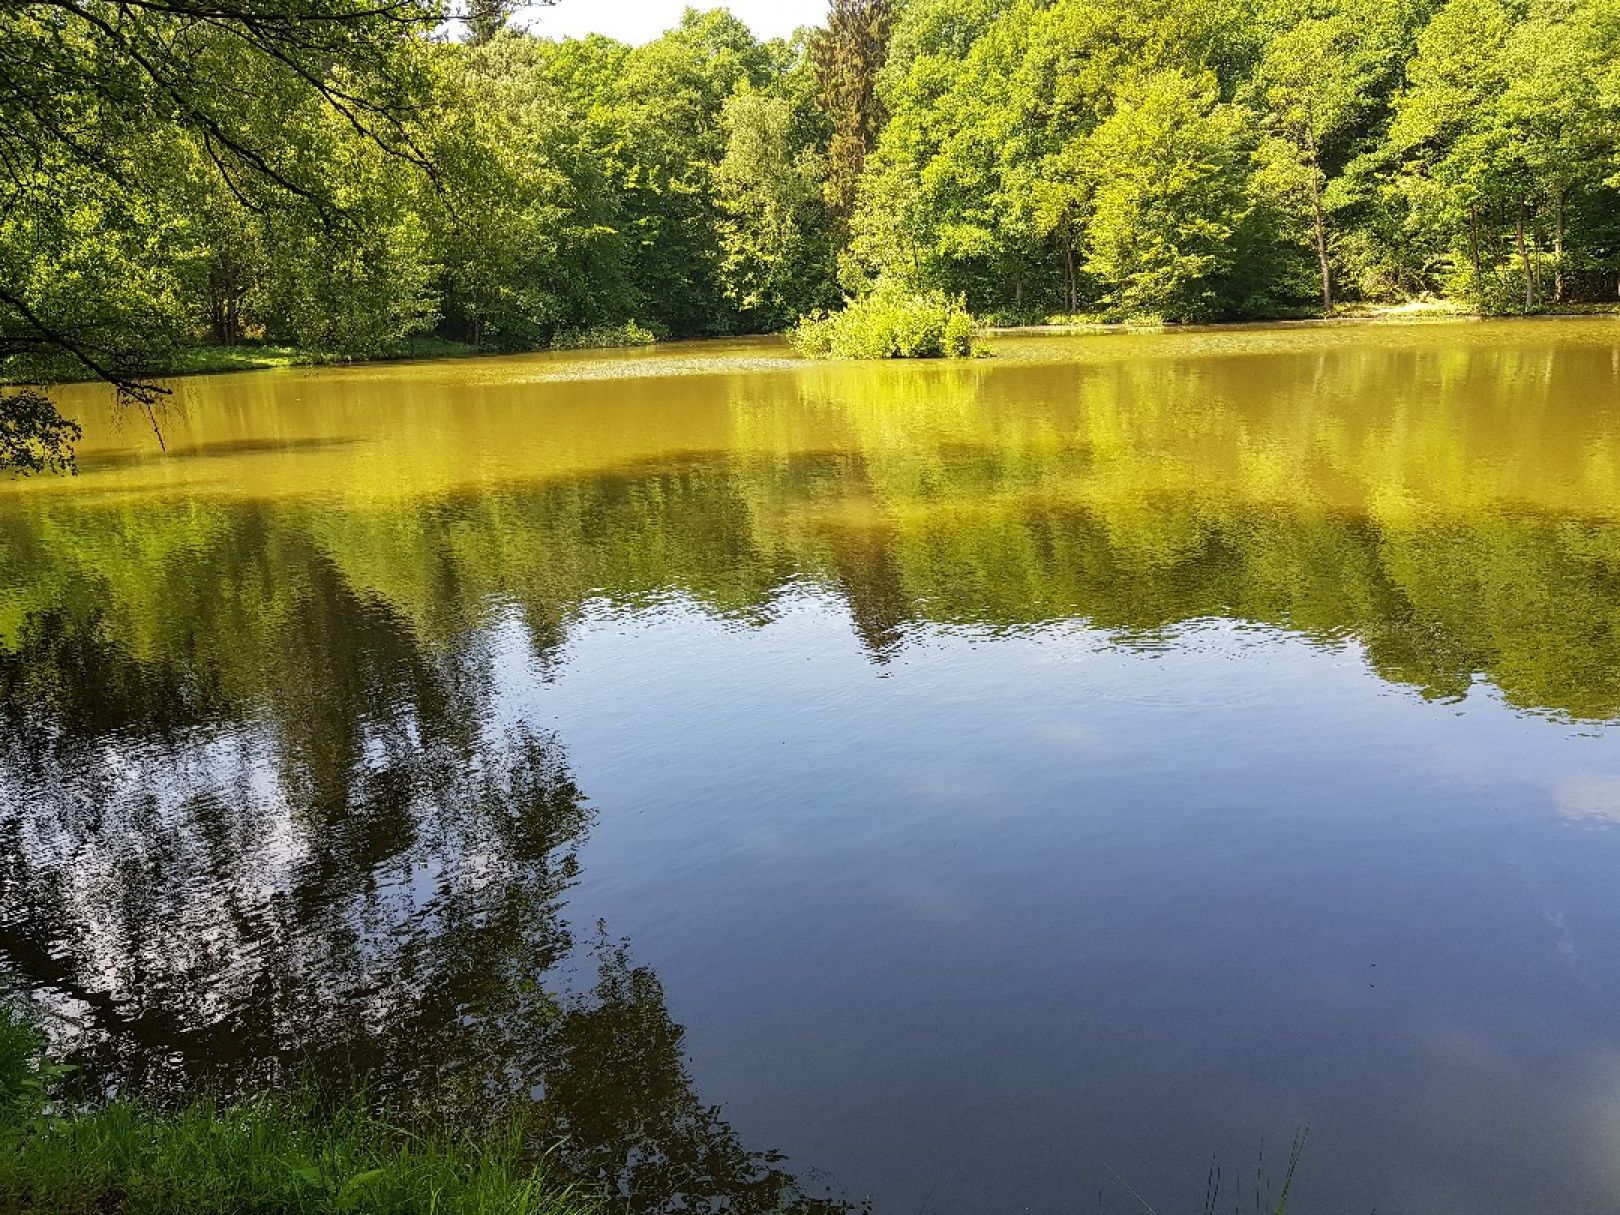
255, 356
272, 1155
1427, 308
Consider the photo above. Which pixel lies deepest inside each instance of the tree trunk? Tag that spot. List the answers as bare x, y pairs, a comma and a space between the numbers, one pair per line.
1473, 240
1558, 247
1068, 272
1321, 238
1524, 260
225, 292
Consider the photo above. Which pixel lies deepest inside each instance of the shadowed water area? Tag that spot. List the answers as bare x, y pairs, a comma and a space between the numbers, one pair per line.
965, 785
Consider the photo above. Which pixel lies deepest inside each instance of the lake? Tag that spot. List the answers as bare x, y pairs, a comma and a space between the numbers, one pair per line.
979, 786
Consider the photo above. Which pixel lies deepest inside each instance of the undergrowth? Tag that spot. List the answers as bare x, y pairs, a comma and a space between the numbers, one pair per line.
278, 1154
890, 323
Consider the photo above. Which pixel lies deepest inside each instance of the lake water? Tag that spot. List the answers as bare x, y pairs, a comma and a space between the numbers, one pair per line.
976, 787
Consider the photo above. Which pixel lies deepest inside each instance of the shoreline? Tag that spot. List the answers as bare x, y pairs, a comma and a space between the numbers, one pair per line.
228, 360
1399, 314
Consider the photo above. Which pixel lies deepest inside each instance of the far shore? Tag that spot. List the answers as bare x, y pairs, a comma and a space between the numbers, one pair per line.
1414, 312
265, 356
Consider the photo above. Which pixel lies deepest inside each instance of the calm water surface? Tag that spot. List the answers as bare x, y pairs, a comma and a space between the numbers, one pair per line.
959, 785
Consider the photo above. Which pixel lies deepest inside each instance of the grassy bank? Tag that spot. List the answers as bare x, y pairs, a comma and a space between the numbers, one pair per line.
250, 355
1411, 311
268, 1156
256, 356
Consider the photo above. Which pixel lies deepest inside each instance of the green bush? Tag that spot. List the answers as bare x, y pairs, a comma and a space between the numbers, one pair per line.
1498, 292
601, 337
890, 324
21, 1050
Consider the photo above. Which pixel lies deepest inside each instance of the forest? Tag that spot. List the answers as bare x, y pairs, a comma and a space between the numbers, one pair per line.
351, 176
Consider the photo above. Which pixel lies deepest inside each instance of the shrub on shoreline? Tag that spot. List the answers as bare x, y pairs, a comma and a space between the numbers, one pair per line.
603, 337
271, 1155
890, 324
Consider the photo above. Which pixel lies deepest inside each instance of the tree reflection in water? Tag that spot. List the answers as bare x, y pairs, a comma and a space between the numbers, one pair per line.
301, 847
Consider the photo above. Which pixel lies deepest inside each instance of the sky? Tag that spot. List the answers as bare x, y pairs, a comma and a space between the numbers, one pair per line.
644, 20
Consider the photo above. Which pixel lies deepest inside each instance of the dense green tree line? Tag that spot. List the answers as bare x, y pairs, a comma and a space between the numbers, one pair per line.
506, 190
342, 175
154, 153
1218, 159
345, 174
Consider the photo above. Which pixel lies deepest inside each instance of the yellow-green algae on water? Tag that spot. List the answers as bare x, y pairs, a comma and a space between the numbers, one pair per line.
1442, 492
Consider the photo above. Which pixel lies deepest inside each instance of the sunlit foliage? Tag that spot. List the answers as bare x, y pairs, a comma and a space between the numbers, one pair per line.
347, 179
